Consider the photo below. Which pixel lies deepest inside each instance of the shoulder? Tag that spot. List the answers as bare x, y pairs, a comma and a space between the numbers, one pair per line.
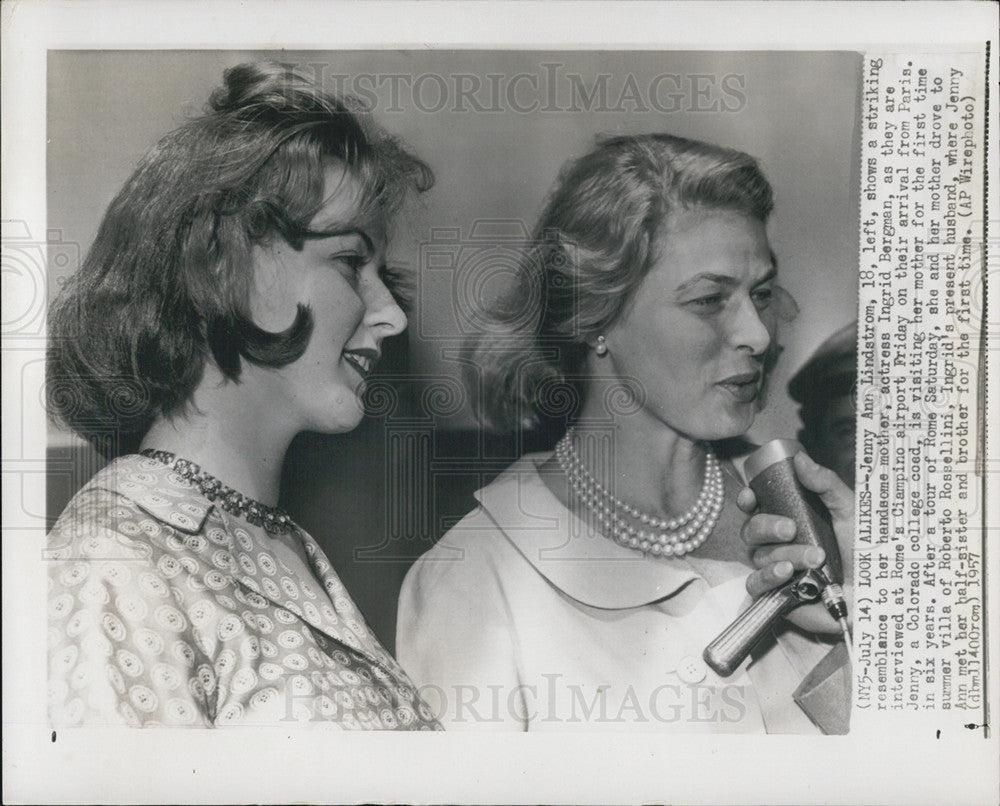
471, 556
124, 510
99, 521
482, 547
453, 623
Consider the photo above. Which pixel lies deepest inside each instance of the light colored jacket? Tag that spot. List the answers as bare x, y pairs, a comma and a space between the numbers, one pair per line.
520, 618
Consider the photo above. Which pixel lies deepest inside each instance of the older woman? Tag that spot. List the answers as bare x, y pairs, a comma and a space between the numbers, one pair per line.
584, 588
236, 294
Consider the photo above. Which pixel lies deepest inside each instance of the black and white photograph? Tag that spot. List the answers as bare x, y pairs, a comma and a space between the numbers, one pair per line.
486, 389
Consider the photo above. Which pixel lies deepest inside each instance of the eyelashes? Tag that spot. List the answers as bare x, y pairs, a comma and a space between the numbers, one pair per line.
398, 278
773, 299
354, 262
400, 281
762, 298
707, 304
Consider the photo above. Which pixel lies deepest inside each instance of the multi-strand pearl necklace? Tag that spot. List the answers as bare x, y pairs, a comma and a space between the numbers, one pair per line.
666, 537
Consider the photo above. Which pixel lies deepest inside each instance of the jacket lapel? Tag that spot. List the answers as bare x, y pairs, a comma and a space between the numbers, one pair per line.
322, 602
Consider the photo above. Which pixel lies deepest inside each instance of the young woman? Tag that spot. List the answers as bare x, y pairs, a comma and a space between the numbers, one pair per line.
583, 590
236, 294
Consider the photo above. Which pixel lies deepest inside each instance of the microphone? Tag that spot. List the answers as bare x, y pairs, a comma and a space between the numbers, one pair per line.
778, 491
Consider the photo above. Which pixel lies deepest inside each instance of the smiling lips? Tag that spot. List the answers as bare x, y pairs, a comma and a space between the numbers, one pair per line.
363, 361
744, 387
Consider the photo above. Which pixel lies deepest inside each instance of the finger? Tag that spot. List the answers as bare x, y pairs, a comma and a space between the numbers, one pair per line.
801, 557
760, 582
814, 618
836, 495
746, 500
763, 528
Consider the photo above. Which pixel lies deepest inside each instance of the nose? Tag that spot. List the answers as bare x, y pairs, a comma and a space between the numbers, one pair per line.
749, 329
382, 313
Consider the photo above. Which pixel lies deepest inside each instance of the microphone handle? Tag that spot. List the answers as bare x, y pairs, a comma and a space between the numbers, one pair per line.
725, 654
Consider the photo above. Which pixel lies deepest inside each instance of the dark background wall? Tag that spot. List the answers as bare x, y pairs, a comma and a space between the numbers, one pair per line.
495, 127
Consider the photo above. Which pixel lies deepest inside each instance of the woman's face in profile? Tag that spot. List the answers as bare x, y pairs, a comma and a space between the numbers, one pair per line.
697, 330
339, 277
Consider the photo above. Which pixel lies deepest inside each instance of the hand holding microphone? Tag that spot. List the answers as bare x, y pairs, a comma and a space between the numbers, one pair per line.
773, 538
806, 511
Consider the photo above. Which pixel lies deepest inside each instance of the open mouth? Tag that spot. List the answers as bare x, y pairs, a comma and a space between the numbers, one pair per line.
363, 361
744, 387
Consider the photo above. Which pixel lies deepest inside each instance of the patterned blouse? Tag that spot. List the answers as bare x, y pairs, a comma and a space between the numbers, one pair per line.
166, 610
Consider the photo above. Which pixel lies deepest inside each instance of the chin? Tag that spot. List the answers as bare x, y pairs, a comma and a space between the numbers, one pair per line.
729, 425
341, 417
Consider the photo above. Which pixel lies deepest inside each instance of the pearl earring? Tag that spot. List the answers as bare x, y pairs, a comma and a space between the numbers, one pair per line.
602, 347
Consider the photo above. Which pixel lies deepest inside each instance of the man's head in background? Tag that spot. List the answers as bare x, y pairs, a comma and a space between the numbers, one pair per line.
825, 389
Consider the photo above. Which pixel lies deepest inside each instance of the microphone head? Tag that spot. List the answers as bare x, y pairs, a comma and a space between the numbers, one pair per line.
779, 492
777, 450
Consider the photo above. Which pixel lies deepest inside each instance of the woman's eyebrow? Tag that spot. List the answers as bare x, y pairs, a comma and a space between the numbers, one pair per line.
770, 275
343, 233
721, 279
726, 279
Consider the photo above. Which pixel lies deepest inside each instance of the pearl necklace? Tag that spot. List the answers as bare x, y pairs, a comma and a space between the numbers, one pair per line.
667, 537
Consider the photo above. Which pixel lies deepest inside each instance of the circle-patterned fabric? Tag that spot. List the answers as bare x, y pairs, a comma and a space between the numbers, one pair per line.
165, 610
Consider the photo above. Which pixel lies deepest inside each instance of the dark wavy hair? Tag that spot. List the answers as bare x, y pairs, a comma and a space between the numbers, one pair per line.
166, 283
593, 245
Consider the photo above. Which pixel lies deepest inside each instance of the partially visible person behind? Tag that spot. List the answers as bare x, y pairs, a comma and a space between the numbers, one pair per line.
236, 294
824, 387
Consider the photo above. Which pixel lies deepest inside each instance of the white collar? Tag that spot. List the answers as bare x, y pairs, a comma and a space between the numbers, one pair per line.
581, 563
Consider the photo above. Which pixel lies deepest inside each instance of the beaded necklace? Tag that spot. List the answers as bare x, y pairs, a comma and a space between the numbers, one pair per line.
273, 520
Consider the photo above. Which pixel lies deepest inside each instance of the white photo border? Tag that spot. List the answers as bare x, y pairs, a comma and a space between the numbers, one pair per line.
274, 766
